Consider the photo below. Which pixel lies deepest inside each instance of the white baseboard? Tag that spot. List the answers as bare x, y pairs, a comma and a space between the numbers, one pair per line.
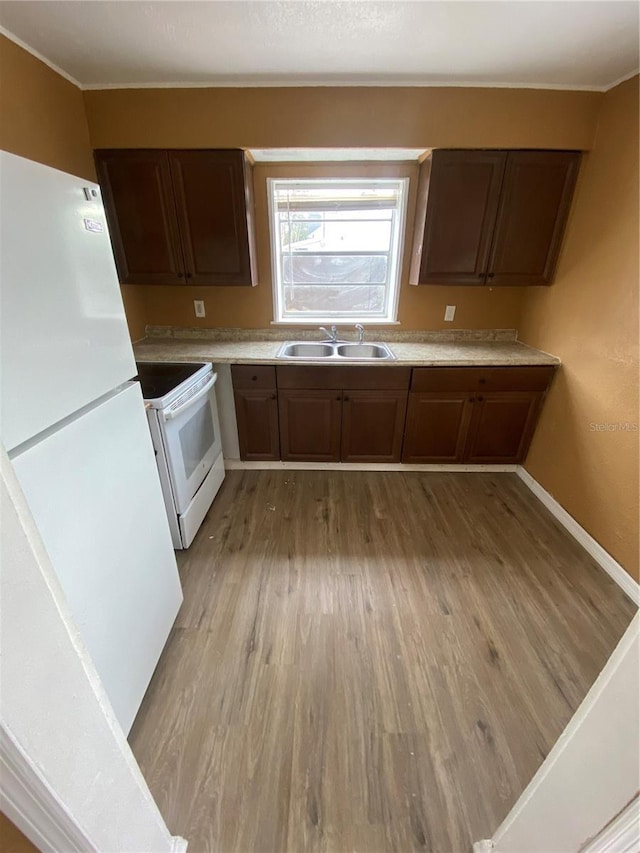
33, 806
622, 835
624, 580
239, 464
484, 846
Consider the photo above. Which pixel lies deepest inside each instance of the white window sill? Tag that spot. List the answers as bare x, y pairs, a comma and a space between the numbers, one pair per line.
315, 323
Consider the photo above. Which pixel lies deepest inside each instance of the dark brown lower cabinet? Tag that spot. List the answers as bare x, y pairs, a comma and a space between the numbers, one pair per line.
310, 425
453, 427
450, 415
502, 426
437, 426
373, 425
256, 399
257, 416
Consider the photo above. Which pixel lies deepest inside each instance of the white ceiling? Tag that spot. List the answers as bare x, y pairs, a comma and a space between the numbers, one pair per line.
572, 44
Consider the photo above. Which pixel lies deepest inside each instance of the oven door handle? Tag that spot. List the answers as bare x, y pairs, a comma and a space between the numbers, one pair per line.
169, 414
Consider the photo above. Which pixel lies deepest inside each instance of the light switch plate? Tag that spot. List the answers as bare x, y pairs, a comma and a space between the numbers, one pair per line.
449, 312
198, 305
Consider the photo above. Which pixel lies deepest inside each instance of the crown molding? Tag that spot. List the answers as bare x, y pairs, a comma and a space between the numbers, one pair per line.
318, 82
14, 38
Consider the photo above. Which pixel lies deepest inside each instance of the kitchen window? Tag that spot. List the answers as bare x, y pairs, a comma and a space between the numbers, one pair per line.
336, 249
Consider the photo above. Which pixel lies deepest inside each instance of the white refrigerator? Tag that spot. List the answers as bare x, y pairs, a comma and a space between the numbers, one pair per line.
75, 428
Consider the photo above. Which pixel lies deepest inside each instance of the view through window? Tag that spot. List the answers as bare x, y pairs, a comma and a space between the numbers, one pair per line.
336, 248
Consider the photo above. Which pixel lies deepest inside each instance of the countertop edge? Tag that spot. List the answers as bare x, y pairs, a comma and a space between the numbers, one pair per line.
515, 354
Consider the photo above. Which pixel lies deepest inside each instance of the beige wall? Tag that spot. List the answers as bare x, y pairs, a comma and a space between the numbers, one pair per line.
350, 117
589, 318
252, 308
340, 117
13, 841
42, 117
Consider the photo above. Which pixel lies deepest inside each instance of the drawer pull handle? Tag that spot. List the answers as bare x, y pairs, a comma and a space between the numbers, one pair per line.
254, 378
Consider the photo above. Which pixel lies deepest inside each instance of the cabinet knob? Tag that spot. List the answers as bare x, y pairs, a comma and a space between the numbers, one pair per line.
274, 396
338, 398
480, 399
345, 398
189, 275
490, 275
472, 399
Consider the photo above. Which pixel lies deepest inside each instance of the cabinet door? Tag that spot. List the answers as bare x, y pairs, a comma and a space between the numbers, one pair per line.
140, 208
373, 425
214, 198
502, 426
534, 206
461, 207
257, 416
437, 424
310, 425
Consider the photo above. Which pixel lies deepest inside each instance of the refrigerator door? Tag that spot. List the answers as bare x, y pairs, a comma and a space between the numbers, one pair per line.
94, 492
63, 333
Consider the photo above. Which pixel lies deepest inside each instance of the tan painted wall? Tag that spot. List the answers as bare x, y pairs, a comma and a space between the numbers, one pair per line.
252, 308
42, 117
41, 114
329, 117
12, 840
341, 117
589, 317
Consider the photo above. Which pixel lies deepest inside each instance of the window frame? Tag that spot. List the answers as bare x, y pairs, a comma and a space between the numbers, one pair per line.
392, 294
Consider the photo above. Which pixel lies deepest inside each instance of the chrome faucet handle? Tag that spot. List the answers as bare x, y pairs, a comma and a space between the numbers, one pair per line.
360, 331
332, 335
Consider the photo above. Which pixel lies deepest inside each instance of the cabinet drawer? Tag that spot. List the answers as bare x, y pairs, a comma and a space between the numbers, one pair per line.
343, 377
253, 376
535, 378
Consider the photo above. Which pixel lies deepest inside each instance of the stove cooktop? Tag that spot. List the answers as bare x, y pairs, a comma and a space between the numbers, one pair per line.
159, 378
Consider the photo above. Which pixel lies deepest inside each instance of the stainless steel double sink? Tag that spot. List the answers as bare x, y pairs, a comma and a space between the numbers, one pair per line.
334, 351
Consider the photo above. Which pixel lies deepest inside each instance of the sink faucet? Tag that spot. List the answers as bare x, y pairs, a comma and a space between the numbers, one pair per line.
360, 331
331, 335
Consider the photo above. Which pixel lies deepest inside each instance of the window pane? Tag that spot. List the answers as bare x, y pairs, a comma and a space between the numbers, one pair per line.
332, 299
335, 234
336, 247
334, 269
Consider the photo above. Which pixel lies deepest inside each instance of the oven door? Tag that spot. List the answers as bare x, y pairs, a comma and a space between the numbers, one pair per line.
191, 438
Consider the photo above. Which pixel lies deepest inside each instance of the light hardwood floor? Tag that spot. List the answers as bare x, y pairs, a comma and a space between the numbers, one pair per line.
369, 662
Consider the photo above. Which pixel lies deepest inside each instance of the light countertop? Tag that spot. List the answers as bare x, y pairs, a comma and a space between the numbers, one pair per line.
429, 353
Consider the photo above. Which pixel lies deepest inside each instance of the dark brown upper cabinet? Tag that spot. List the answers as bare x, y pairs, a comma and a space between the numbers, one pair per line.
491, 217
180, 216
138, 198
457, 206
534, 206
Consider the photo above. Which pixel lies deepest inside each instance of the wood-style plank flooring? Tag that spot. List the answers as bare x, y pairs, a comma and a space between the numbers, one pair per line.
369, 662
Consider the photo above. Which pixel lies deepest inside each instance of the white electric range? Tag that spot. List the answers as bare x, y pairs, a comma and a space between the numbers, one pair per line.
180, 400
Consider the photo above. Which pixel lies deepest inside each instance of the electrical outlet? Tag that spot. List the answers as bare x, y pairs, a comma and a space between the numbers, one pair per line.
198, 305
449, 312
